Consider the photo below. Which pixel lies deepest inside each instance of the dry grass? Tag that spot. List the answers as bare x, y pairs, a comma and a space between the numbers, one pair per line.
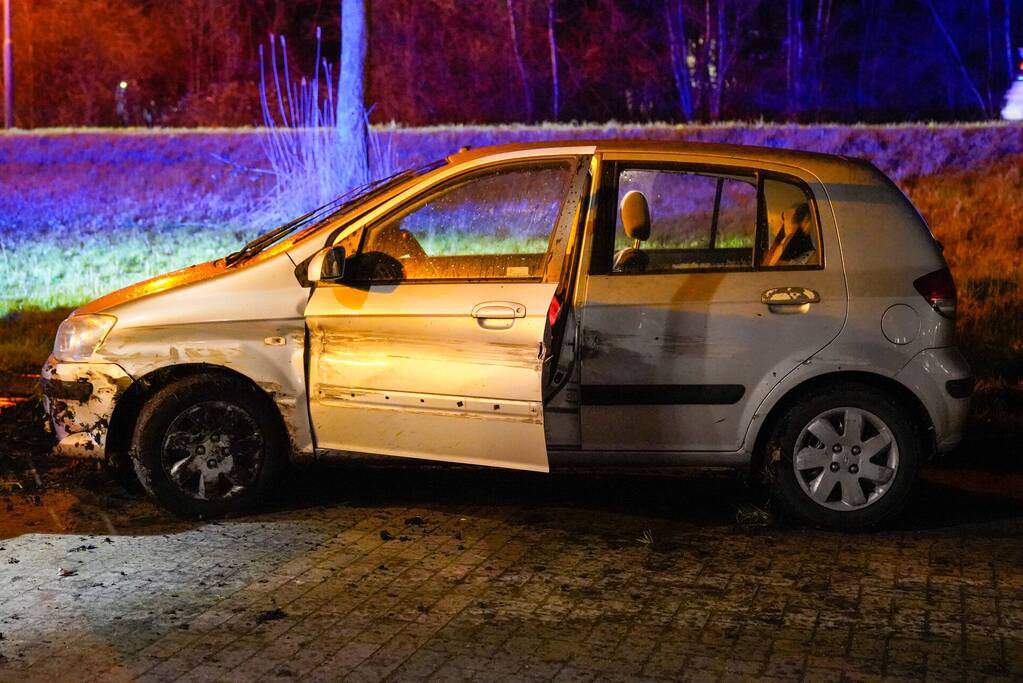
978, 216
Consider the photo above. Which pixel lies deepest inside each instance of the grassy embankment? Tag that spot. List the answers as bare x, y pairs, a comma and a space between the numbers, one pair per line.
84, 212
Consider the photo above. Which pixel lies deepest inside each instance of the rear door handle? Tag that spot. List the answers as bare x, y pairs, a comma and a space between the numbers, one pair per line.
790, 296
789, 299
497, 315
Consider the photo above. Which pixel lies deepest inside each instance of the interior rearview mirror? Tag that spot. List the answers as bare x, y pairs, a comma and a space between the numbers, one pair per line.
327, 265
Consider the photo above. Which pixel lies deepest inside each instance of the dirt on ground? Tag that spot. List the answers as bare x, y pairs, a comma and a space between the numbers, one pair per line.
40, 492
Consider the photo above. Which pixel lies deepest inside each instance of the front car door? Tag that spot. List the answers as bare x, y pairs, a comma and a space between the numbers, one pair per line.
432, 345
684, 333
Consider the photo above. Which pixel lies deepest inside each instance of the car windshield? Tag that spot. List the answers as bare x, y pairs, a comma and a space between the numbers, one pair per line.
315, 218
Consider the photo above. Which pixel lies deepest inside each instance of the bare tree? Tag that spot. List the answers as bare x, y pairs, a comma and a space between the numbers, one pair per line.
209, 32
552, 43
523, 75
954, 49
8, 68
989, 54
721, 64
678, 50
821, 41
1007, 27
794, 72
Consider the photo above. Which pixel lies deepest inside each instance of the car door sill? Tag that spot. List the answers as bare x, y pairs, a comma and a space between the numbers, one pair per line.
568, 457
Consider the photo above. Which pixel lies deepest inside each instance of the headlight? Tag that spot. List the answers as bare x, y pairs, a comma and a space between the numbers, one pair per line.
79, 336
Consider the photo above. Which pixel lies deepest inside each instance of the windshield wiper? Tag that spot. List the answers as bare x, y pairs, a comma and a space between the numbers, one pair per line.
256, 245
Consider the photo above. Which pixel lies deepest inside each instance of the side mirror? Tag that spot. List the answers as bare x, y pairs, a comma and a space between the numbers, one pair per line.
636, 216
327, 265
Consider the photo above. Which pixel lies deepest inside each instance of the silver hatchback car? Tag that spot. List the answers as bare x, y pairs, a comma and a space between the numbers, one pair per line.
529, 306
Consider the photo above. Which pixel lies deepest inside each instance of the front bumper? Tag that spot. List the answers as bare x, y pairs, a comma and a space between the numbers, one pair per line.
80, 399
941, 379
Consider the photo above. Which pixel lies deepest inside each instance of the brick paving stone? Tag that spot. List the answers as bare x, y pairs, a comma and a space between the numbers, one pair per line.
526, 579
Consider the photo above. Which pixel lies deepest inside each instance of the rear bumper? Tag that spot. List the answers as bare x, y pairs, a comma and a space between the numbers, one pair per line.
80, 400
942, 380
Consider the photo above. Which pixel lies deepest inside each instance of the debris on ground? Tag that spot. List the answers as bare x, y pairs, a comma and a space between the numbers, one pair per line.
270, 615
751, 517
386, 535
415, 521
62, 572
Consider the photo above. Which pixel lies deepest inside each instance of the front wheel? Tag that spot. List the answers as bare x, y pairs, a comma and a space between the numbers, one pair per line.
845, 458
206, 446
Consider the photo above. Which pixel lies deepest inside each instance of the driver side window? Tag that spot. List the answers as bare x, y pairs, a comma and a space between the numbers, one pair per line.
494, 225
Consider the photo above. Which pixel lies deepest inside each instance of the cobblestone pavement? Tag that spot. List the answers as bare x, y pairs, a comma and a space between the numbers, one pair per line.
451, 574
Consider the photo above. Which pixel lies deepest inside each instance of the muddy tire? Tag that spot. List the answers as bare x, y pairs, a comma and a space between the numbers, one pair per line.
844, 458
208, 446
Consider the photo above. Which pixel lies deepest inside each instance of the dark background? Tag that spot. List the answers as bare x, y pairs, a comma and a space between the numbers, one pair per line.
196, 62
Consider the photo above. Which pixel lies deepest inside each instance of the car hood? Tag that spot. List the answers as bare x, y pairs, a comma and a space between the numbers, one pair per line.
154, 285
258, 289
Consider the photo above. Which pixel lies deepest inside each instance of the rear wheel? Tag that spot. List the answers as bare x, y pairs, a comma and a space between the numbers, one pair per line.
844, 458
207, 446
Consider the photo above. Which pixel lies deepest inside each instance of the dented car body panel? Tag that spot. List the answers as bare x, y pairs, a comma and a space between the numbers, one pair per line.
80, 398
408, 373
559, 360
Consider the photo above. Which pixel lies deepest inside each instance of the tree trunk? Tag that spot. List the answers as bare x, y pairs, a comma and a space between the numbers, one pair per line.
707, 57
954, 49
719, 62
553, 44
794, 54
821, 31
523, 75
678, 50
8, 49
1007, 27
988, 73
351, 79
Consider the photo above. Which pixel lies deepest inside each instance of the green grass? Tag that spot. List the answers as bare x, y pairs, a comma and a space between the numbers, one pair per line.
41, 274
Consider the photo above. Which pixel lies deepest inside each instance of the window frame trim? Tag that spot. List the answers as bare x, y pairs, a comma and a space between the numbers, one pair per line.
575, 162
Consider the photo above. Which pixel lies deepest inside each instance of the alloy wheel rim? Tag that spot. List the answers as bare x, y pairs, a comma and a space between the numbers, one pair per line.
846, 459
212, 451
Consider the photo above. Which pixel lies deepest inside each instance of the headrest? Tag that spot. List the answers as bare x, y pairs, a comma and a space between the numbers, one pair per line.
795, 217
636, 215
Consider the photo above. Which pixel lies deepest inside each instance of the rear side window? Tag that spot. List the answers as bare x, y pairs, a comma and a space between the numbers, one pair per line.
696, 220
706, 220
494, 225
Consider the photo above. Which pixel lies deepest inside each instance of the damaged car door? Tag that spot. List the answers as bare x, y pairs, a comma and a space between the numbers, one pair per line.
426, 326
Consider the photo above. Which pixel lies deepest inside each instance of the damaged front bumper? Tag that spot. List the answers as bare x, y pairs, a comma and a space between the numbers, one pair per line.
80, 399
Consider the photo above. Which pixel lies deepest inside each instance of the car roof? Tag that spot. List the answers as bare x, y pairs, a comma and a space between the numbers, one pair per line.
825, 166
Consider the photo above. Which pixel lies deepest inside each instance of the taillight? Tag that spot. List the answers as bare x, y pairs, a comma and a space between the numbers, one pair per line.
553, 311
940, 291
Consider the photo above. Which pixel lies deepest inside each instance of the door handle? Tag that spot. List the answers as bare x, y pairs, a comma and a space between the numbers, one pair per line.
497, 315
502, 310
789, 299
